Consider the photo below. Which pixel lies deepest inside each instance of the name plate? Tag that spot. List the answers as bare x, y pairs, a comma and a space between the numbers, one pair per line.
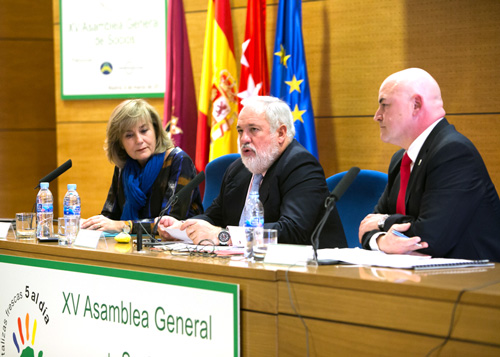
87, 238
288, 254
4, 229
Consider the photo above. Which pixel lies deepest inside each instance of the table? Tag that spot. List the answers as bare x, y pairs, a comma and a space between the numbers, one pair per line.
348, 310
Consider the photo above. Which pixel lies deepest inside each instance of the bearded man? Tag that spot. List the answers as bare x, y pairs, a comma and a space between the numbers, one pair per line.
292, 183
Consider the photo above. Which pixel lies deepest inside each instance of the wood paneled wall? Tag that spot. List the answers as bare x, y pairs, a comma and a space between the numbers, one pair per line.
351, 46
27, 107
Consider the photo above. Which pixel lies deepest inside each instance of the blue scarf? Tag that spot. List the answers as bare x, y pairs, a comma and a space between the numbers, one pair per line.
137, 183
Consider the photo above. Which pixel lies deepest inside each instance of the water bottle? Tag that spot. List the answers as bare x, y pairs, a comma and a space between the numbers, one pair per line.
44, 212
72, 209
254, 221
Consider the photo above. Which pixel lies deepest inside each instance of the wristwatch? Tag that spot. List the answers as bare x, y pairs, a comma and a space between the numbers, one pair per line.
224, 237
127, 228
381, 222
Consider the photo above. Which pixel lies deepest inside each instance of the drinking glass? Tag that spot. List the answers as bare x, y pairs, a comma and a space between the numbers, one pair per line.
25, 225
269, 236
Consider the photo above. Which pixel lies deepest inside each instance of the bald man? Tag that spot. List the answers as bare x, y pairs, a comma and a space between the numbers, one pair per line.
450, 207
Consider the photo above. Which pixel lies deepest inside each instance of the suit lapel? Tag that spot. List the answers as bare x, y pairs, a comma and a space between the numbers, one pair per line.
420, 162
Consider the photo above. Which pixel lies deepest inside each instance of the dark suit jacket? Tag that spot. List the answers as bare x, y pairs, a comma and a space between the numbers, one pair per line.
293, 193
450, 200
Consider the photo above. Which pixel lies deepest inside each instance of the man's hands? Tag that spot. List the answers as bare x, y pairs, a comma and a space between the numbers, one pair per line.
391, 243
196, 229
388, 242
369, 223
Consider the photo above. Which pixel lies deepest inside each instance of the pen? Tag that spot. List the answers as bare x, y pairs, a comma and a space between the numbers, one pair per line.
399, 234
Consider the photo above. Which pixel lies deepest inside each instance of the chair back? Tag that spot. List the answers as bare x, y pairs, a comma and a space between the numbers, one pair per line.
358, 201
214, 171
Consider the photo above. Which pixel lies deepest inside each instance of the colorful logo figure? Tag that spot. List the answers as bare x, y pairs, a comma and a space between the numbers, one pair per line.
106, 68
27, 351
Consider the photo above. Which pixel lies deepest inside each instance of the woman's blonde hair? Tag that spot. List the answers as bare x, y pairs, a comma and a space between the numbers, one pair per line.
127, 115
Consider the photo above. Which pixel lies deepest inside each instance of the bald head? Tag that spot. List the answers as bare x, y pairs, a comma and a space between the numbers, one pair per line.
409, 102
417, 82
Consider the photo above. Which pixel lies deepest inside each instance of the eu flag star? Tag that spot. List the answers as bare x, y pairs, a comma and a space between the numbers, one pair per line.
283, 56
297, 113
294, 84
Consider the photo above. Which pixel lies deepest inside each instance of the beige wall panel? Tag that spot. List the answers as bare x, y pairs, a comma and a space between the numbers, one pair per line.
457, 41
91, 170
27, 129
348, 142
26, 85
25, 157
196, 23
25, 19
350, 47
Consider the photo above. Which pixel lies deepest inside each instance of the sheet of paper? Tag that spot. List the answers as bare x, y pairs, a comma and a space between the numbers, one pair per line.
87, 238
178, 234
238, 237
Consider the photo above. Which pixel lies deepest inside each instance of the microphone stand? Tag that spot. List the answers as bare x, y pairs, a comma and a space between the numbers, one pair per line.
330, 203
171, 201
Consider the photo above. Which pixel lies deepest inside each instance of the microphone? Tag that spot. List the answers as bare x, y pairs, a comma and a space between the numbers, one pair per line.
183, 194
337, 192
56, 173
344, 183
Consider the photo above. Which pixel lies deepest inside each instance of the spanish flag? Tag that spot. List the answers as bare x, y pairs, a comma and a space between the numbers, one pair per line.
218, 104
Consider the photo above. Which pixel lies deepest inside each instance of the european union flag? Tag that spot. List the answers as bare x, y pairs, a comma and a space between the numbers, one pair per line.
289, 80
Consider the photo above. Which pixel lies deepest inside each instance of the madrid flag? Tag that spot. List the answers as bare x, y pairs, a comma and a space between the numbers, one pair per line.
217, 104
254, 74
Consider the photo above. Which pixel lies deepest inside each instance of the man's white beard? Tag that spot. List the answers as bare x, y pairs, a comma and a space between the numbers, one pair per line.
261, 161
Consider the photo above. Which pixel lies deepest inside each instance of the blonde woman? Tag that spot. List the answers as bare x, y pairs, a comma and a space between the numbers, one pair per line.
149, 170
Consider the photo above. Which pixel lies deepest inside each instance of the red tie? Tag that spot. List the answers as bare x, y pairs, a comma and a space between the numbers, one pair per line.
404, 176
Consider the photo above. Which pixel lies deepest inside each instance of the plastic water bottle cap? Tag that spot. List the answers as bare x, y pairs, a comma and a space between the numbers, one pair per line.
44, 185
71, 186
